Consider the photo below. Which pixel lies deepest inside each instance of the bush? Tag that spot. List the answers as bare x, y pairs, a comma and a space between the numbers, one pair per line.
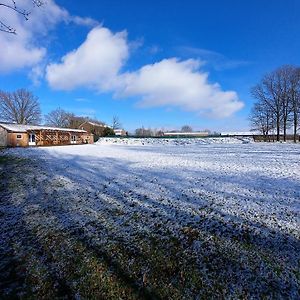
108, 131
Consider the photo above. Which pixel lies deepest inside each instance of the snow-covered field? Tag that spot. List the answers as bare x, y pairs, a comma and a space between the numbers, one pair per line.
164, 218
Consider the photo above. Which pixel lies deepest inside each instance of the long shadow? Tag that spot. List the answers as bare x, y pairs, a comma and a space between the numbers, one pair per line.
36, 246
99, 178
94, 176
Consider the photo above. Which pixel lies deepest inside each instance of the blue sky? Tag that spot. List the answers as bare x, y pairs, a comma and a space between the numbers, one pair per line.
159, 64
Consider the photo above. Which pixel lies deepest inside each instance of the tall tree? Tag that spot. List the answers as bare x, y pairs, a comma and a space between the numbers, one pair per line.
278, 96
268, 91
20, 107
284, 80
58, 118
295, 100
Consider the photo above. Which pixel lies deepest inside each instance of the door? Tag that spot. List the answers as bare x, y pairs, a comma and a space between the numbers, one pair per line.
73, 139
32, 139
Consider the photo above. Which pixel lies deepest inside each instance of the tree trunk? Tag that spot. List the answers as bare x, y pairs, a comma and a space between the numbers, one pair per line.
278, 128
295, 127
284, 130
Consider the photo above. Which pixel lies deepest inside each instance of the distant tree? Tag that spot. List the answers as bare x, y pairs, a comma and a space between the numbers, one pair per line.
186, 128
15, 8
142, 132
116, 124
215, 133
76, 121
139, 132
208, 131
160, 133
59, 118
108, 131
20, 107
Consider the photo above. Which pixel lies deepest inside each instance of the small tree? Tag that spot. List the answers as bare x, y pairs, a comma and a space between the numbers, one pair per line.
186, 128
160, 132
116, 124
58, 118
262, 119
20, 107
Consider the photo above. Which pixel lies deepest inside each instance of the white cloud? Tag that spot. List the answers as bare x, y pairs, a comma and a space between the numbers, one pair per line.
215, 59
18, 53
95, 63
83, 21
36, 74
98, 62
22, 50
171, 82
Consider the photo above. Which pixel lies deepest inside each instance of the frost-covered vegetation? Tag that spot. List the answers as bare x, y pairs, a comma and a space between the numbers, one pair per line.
151, 220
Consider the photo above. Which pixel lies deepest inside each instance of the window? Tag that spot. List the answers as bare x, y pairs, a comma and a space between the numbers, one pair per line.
31, 138
73, 138
19, 136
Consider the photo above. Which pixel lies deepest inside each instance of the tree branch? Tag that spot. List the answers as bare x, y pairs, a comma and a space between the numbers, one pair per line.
8, 29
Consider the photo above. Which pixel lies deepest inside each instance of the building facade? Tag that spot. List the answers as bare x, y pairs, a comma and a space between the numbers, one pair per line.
120, 132
16, 135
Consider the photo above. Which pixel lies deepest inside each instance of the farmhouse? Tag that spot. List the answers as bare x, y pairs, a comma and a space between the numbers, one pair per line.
120, 132
16, 135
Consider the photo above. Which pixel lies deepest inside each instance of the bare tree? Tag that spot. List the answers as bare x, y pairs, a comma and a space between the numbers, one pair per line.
20, 107
116, 124
268, 91
14, 7
58, 118
160, 132
295, 100
186, 128
262, 119
277, 100
284, 81
143, 132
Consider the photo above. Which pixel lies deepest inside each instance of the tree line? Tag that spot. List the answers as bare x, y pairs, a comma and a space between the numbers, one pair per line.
22, 107
277, 106
149, 132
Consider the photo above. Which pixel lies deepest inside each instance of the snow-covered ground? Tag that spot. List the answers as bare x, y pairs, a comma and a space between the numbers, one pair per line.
232, 206
174, 141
